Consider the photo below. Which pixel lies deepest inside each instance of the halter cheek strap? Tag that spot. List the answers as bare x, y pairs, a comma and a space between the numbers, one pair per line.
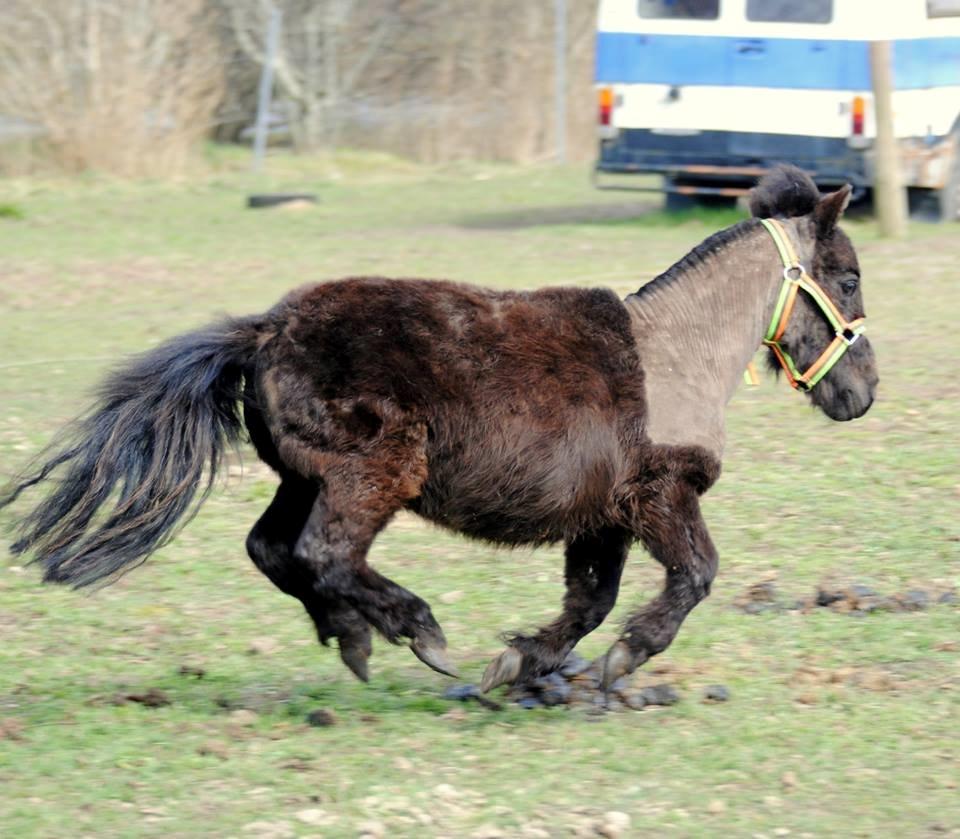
796, 278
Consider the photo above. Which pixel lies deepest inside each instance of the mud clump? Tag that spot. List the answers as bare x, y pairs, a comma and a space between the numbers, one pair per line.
716, 693
152, 698
854, 599
321, 718
575, 684
858, 599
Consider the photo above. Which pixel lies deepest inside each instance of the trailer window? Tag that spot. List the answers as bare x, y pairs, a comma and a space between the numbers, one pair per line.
943, 8
680, 9
790, 11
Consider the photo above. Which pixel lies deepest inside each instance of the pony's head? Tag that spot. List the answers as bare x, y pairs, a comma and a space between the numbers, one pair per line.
848, 389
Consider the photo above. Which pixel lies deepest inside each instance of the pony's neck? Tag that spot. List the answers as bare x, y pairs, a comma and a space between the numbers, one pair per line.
699, 325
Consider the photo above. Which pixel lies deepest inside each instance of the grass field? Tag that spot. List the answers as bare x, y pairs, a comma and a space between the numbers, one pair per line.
836, 725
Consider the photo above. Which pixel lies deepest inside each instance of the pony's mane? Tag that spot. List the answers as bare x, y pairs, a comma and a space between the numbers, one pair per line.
709, 247
785, 192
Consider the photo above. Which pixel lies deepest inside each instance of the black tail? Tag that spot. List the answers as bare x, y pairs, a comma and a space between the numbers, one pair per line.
158, 425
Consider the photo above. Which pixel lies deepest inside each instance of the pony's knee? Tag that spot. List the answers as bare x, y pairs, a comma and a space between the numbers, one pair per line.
696, 580
700, 587
701, 579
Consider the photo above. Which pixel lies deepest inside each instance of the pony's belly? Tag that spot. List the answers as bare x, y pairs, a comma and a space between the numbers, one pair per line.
534, 491
502, 527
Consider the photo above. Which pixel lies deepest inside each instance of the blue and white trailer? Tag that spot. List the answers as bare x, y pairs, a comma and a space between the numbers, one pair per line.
711, 93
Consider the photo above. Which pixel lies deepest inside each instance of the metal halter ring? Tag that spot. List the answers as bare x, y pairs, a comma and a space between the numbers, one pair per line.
848, 336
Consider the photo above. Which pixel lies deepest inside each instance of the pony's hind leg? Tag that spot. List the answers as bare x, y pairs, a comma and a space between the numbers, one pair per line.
357, 498
594, 564
271, 547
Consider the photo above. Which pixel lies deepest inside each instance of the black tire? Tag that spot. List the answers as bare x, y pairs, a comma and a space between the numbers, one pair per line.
675, 202
923, 205
949, 196
259, 201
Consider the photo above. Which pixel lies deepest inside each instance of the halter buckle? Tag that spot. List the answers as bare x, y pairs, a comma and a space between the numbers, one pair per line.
848, 336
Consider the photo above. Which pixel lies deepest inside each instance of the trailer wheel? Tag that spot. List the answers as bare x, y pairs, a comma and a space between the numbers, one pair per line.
675, 202
950, 194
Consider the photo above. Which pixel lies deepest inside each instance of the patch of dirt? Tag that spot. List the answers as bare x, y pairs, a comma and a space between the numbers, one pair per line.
11, 729
214, 748
813, 681
30, 286
260, 699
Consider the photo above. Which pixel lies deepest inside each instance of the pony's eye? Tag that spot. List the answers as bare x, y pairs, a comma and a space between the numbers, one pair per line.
849, 286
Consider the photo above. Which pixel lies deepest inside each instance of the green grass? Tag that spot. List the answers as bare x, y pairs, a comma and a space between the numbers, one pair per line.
11, 211
836, 725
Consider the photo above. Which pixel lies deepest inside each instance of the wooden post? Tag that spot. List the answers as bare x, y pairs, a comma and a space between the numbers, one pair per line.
889, 196
560, 78
265, 91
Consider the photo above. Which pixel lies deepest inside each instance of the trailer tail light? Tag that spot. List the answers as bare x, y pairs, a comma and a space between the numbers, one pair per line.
605, 113
856, 116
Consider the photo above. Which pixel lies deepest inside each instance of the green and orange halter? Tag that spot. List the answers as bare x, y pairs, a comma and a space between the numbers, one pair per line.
796, 278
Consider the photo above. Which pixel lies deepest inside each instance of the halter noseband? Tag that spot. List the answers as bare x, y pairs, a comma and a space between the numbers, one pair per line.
795, 278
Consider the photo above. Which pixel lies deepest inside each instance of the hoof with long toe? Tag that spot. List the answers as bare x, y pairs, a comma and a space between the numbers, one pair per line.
355, 654
503, 670
434, 655
619, 661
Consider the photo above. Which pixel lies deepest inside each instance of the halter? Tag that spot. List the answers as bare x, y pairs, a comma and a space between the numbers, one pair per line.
795, 278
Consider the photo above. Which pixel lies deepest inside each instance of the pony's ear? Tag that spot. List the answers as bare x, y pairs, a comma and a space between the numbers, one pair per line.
830, 208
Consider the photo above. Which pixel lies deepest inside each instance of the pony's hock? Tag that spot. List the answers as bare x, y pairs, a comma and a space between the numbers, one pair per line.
564, 414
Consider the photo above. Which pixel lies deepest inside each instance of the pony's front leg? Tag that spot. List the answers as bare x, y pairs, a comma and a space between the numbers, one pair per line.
677, 537
594, 564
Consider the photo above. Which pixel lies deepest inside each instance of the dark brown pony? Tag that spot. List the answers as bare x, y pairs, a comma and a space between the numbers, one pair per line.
562, 414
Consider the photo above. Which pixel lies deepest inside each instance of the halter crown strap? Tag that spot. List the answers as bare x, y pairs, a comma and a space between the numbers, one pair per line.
796, 278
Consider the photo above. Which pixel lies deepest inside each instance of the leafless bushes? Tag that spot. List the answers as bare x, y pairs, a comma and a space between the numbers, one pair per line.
326, 52
483, 74
131, 86
124, 86
429, 79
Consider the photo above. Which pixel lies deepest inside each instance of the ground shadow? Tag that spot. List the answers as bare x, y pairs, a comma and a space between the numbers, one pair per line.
566, 214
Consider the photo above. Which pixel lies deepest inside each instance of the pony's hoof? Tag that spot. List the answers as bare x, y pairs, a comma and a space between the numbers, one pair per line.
355, 657
434, 656
503, 670
618, 661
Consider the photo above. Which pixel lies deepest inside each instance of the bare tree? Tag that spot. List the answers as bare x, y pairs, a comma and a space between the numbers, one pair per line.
126, 86
327, 46
463, 79
431, 79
